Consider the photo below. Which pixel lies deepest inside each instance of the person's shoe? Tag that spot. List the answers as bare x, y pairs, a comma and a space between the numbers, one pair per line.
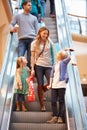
52, 120
24, 107
17, 106
52, 15
43, 109
60, 120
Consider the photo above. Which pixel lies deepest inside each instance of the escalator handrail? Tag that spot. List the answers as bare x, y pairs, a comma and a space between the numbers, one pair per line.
9, 54
77, 16
2, 73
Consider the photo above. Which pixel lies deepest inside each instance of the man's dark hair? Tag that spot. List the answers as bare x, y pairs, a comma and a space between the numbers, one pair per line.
25, 2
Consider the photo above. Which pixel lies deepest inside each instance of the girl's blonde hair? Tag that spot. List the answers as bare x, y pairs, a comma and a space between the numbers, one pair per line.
38, 37
62, 55
19, 63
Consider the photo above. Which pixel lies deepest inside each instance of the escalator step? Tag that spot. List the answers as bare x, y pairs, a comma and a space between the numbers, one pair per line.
35, 126
35, 106
30, 117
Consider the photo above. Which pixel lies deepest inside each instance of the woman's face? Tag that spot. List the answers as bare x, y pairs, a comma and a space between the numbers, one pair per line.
44, 35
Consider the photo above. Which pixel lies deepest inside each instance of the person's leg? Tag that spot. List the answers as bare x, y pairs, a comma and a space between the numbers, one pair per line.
23, 102
52, 7
47, 71
40, 80
43, 3
17, 103
29, 50
21, 48
61, 94
54, 95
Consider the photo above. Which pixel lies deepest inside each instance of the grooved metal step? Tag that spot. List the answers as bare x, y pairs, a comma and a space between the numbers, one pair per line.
51, 25
30, 117
35, 106
35, 126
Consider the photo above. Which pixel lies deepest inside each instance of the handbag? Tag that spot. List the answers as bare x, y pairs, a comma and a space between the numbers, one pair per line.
54, 50
31, 93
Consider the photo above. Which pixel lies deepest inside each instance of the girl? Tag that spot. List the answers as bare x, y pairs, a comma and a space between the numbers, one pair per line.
21, 86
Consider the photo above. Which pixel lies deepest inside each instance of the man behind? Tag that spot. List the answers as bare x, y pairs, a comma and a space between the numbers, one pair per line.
27, 25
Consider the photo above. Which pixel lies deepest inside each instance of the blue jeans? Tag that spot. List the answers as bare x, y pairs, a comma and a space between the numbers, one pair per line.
58, 95
40, 72
23, 46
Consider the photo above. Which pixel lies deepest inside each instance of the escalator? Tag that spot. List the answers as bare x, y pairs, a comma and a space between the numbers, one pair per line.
34, 119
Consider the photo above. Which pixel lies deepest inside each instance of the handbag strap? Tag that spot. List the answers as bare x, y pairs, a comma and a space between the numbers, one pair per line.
41, 51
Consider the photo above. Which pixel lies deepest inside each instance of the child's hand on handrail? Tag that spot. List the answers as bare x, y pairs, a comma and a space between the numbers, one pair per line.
69, 49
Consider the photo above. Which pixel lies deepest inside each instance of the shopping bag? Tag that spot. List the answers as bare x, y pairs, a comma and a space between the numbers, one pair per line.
31, 94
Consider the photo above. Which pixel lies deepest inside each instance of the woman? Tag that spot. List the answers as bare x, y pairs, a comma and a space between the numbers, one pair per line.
41, 61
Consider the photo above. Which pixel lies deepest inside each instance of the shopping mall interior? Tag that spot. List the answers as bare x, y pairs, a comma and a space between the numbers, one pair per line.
68, 29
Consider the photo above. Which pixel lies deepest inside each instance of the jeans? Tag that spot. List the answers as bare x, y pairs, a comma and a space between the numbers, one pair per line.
58, 94
23, 46
40, 72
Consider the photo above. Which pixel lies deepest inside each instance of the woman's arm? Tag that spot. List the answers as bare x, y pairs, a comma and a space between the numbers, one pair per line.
50, 85
32, 62
51, 77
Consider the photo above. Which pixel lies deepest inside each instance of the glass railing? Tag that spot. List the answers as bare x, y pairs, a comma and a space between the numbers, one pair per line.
75, 105
6, 81
78, 24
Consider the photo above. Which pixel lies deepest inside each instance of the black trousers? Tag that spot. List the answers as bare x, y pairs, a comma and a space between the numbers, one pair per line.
52, 7
58, 95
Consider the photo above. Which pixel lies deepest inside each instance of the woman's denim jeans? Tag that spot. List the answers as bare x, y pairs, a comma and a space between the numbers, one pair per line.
40, 72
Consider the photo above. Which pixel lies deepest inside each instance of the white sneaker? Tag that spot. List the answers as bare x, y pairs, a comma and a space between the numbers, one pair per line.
52, 120
60, 120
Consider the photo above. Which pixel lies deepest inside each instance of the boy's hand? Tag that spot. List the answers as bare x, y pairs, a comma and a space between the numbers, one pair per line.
74, 64
69, 49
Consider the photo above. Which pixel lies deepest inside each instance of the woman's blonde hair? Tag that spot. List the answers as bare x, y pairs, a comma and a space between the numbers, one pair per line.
38, 37
62, 55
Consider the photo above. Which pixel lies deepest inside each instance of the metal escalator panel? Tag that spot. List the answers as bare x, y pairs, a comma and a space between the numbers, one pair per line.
7, 82
74, 97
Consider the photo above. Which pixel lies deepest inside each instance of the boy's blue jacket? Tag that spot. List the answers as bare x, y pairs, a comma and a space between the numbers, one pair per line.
62, 69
